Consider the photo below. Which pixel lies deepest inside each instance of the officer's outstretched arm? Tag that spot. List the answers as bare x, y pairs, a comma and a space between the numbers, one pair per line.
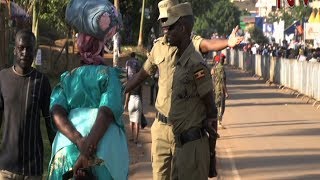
137, 79
207, 45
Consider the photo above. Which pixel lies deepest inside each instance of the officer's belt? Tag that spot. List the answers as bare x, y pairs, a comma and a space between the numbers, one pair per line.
162, 118
191, 135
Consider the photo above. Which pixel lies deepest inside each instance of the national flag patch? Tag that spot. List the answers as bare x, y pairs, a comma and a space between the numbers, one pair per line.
199, 74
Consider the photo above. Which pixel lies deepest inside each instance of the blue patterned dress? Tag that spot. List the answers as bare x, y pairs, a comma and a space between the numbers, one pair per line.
81, 92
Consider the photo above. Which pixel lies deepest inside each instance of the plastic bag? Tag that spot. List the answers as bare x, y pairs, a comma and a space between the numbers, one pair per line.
97, 18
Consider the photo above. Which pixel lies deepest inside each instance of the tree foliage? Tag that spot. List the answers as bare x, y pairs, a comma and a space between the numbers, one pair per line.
257, 35
51, 18
131, 13
222, 17
301, 12
211, 16
297, 13
200, 8
245, 13
202, 26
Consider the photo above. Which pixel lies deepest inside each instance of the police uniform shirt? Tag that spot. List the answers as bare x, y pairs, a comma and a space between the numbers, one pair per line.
191, 81
163, 56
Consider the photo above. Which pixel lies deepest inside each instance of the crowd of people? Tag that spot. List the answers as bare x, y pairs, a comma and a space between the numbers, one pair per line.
297, 52
83, 113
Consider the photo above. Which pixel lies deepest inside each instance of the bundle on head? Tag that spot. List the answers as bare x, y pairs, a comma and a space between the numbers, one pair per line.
97, 21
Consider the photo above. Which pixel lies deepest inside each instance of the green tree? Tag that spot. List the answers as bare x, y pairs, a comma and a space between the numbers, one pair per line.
245, 13
203, 27
200, 8
258, 36
132, 16
297, 13
222, 17
273, 17
51, 16
26, 4
301, 12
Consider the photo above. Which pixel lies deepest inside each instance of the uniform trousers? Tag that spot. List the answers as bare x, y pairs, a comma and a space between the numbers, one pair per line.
192, 160
173, 161
162, 151
221, 105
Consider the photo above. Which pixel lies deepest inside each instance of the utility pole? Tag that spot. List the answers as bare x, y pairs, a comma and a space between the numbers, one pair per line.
35, 22
116, 39
140, 41
35, 19
117, 5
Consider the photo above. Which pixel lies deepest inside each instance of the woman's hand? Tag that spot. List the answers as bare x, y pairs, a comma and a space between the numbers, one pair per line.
86, 148
81, 163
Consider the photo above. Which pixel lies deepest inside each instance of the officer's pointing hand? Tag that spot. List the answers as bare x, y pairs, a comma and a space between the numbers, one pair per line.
233, 39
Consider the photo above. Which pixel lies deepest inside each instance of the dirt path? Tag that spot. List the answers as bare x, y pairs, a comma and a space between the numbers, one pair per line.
140, 157
270, 134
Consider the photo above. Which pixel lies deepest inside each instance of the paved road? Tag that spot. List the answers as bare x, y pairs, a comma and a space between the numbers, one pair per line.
270, 134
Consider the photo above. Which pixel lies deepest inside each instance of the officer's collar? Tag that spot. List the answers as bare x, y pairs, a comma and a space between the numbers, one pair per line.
164, 41
186, 55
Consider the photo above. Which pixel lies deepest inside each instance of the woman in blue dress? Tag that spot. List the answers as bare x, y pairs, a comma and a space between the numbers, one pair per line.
87, 106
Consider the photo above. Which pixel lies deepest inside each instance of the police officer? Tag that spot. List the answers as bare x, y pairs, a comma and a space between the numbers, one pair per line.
191, 111
162, 57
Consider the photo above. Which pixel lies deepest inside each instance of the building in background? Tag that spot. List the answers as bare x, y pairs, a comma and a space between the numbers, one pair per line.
265, 7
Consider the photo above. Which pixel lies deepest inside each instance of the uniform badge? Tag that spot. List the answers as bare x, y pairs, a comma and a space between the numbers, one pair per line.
199, 74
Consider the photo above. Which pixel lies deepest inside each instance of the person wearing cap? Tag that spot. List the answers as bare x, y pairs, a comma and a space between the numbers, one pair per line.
220, 88
202, 45
161, 57
191, 112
